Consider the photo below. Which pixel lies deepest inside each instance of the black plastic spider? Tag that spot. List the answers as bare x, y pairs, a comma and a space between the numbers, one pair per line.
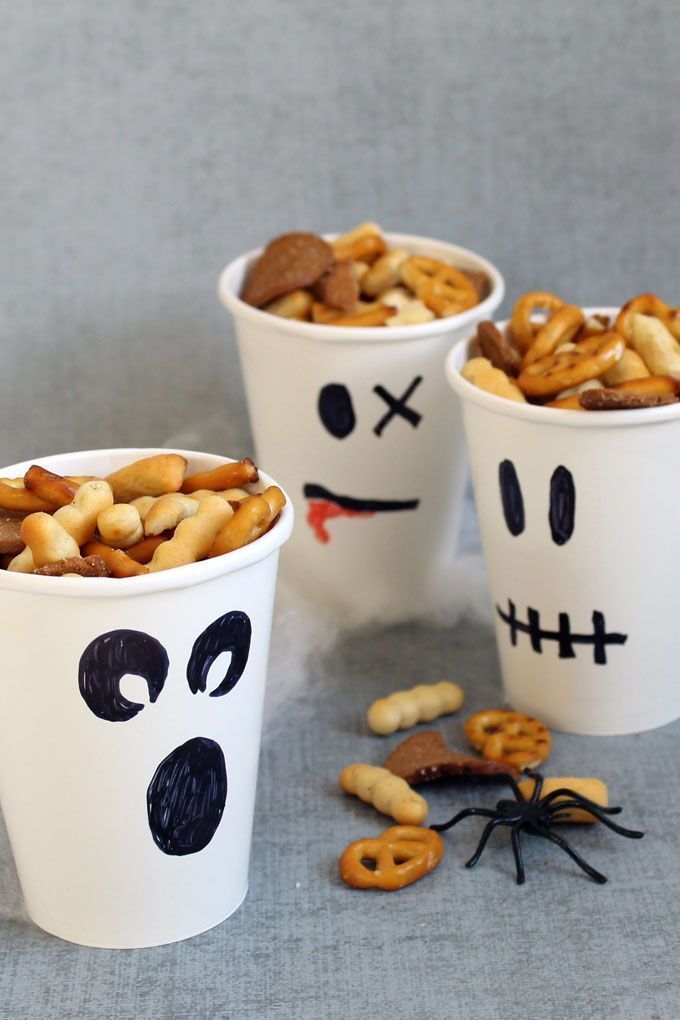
536, 815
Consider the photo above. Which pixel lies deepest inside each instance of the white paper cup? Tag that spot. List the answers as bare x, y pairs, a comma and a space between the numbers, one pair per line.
403, 473
116, 812
583, 579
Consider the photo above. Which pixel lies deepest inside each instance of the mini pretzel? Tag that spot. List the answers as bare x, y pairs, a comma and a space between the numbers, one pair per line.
423, 703
252, 518
646, 304
629, 366
481, 373
561, 328
385, 272
385, 791
591, 789
226, 476
444, 289
521, 324
295, 305
49, 486
402, 855
168, 511
194, 536
118, 563
120, 525
589, 359
498, 349
152, 476
656, 345
509, 737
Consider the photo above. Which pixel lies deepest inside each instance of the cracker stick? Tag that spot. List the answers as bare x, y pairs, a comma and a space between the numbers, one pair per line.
227, 476
194, 536
152, 476
47, 540
120, 525
168, 511
78, 520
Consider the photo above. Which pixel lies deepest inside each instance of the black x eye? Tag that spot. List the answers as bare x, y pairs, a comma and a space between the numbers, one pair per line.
109, 658
398, 406
511, 497
336, 410
231, 633
562, 505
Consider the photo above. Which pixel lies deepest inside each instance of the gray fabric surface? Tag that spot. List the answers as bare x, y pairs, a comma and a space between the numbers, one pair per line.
146, 144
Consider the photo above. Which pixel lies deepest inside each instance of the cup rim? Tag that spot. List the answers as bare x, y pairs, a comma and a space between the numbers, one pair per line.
353, 334
185, 576
457, 357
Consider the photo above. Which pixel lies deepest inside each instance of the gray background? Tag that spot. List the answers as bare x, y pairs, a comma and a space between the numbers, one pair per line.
145, 144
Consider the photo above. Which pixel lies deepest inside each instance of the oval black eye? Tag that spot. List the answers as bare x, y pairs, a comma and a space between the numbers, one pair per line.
186, 797
511, 497
336, 410
562, 505
231, 633
109, 658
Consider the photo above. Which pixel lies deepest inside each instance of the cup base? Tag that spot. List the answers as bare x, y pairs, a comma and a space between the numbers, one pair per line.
144, 941
613, 728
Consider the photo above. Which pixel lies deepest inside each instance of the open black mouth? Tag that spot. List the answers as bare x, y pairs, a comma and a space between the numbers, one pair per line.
324, 505
565, 638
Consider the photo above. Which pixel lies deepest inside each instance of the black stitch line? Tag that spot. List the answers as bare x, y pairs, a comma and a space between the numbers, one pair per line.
564, 637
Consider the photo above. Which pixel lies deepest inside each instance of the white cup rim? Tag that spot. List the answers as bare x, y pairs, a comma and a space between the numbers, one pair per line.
164, 580
458, 355
226, 290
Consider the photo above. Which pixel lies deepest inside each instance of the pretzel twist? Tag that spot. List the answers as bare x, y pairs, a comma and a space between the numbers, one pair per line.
402, 855
522, 326
509, 737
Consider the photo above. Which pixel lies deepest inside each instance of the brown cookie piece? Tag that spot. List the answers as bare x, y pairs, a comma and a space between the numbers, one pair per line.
500, 351
10, 532
86, 566
289, 262
622, 400
338, 287
425, 757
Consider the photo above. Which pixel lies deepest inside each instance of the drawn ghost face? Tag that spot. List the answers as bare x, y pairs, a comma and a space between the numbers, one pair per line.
186, 796
562, 522
336, 413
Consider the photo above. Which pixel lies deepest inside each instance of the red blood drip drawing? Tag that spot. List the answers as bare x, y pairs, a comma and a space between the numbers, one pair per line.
322, 510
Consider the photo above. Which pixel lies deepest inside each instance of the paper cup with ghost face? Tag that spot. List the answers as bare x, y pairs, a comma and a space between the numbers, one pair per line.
578, 516
359, 424
130, 714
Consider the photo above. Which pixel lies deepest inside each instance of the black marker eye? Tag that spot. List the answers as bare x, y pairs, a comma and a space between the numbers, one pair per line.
336, 410
109, 658
231, 633
511, 497
562, 505
186, 797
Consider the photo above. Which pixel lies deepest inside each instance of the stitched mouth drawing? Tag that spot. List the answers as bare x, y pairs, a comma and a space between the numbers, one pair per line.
564, 637
324, 505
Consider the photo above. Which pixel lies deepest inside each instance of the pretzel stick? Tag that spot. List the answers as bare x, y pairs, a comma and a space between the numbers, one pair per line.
15, 496
253, 517
143, 551
118, 562
47, 485
227, 476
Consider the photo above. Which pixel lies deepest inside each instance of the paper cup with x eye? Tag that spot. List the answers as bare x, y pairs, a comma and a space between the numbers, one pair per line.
578, 513
130, 714
359, 424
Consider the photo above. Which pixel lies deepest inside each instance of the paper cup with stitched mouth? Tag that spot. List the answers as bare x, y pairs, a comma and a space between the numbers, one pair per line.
359, 424
130, 714
578, 514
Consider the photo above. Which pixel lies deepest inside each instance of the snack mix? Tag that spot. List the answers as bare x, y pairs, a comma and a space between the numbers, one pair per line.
145, 517
554, 355
357, 280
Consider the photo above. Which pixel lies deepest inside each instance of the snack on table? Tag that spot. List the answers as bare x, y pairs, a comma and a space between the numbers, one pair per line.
133, 522
551, 354
352, 280
509, 737
386, 792
593, 790
424, 757
401, 854
423, 703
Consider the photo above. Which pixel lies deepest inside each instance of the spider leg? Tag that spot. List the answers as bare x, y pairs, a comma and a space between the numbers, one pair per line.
488, 829
538, 786
566, 805
583, 801
517, 851
597, 876
465, 813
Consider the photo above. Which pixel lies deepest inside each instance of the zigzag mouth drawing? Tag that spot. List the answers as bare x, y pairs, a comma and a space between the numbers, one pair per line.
324, 505
564, 637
